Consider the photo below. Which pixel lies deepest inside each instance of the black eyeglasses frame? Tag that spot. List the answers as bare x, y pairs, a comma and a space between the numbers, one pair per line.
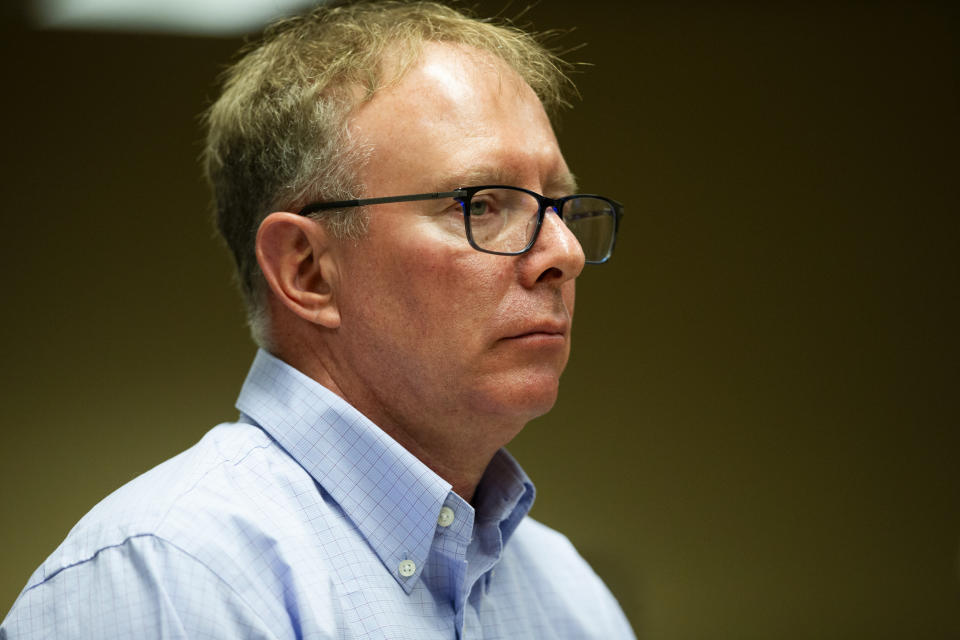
463, 196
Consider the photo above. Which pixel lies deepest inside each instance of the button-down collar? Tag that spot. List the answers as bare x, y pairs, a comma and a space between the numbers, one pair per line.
393, 499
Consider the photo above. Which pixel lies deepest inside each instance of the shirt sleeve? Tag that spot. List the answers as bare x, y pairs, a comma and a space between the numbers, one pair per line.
143, 588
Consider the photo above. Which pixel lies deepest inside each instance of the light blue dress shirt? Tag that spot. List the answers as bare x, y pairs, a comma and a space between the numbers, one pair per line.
305, 520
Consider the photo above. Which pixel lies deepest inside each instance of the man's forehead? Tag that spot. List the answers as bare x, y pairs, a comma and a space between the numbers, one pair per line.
453, 78
460, 62
452, 122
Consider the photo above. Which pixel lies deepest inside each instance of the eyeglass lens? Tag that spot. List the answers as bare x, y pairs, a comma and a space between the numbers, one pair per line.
505, 220
593, 222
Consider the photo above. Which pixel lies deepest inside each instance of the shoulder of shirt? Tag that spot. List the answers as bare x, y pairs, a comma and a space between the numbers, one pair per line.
182, 499
549, 554
562, 575
542, 541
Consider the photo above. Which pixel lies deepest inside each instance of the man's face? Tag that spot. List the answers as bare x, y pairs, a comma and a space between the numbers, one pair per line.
435, 336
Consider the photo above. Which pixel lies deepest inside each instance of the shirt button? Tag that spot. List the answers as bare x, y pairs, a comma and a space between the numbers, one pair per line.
446, 517
407, 568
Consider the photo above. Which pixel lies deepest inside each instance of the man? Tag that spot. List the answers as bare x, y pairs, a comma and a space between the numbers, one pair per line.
412, 318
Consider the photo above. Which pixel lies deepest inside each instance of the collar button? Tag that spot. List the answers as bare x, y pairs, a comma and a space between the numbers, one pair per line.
446, 517
407, 568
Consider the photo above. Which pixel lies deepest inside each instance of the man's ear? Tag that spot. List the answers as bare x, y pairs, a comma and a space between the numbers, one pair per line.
295, 256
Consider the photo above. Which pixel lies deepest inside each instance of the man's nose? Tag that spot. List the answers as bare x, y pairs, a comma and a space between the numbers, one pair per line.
556, 256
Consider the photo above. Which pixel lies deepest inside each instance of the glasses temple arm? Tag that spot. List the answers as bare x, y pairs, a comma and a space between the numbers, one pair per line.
343, 204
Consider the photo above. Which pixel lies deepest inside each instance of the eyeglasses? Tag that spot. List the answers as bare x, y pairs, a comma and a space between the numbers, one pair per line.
507, 220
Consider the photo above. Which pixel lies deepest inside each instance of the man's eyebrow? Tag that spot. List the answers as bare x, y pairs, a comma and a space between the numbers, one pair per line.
557, 185
472, 178
562, 185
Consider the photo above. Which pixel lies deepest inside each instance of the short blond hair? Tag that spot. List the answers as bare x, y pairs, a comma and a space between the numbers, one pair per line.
277, 138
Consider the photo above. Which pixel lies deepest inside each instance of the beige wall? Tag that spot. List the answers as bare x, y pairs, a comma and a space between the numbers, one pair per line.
756, 437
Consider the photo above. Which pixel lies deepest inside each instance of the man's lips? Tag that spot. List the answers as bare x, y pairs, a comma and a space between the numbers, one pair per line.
542, 329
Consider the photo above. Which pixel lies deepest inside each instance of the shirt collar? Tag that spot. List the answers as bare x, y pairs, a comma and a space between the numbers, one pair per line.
392, 498
505, 494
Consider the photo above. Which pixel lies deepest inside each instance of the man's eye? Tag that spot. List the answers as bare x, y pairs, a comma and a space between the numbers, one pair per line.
483, 207
478, 208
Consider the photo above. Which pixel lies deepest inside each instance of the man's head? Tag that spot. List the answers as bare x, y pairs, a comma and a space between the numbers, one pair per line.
279, 135
448, 348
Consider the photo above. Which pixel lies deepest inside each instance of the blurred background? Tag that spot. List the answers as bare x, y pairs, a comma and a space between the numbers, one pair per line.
757, 436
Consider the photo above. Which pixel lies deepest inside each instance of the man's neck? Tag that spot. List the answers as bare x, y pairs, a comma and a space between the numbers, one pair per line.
452, 447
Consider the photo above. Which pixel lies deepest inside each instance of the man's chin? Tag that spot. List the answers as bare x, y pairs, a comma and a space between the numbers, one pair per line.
522, 400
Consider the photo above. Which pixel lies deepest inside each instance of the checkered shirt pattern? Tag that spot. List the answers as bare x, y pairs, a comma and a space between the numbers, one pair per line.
305, 520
